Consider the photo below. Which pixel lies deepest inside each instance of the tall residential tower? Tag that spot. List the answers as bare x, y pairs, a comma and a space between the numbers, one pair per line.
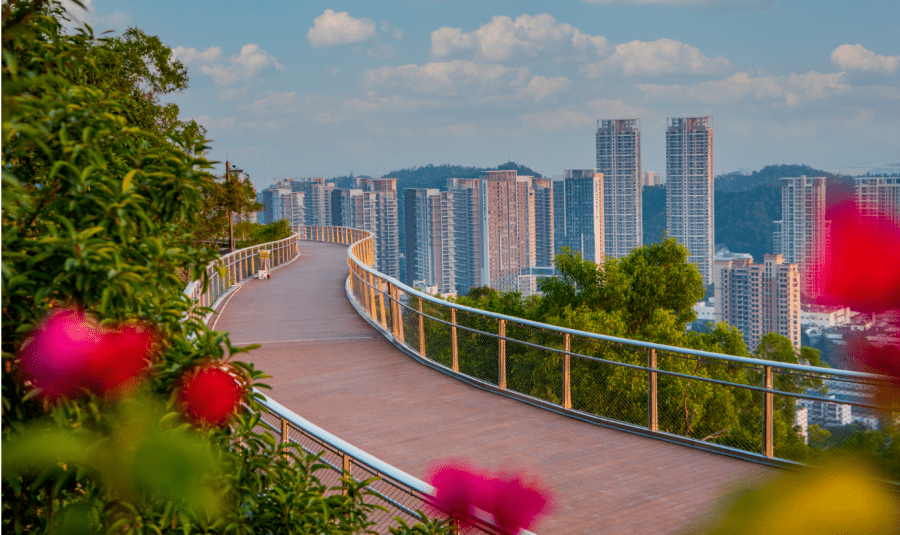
689, 189
802, 231
578, 213
619, 159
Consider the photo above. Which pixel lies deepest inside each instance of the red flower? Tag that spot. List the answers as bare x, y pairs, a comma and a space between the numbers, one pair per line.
459, 490
862, 267
120, 358
211, 394
69, 351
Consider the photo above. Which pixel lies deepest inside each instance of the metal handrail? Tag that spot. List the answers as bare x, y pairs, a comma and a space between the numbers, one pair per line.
376, 297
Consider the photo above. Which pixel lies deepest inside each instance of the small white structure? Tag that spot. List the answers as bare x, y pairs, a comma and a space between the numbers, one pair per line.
706, 310
263, 272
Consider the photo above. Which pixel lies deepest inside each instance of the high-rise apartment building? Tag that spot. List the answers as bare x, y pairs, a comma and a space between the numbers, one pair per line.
317, 199
578, 213
467, 232
386, 224
802, 231
878, 199
759, 298
508, 237
690, 218
281, 202
430, 238
619, 159
543, 222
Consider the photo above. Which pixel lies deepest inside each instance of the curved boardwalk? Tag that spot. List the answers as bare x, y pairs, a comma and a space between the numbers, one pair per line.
330, 367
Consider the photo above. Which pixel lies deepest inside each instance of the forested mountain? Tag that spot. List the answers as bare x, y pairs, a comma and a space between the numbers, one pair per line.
745, 206
734, 182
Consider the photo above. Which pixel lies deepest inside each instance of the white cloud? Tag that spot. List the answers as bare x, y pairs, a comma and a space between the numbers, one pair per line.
504, 38
242, 67
382, 51
609, 108
540, 87
192, 55
740, 87
858, 58
664, 56
275, 100
228, 94
451, 77
339, 28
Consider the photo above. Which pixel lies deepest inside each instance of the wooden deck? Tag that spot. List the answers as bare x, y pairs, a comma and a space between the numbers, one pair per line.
330, 367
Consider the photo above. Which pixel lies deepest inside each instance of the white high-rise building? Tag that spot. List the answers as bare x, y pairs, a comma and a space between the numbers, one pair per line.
878, 199
281, 202
802, 230
619, 160
317, 199
690, 216
578, 213
430, 238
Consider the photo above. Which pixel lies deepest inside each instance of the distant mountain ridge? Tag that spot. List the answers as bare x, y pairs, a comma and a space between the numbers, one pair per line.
735, 182
435, 176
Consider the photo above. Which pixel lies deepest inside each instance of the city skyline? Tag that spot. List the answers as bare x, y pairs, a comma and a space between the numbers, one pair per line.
323, 89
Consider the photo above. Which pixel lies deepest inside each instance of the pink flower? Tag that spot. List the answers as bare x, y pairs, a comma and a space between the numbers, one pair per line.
56, 357
211, 394
517, 506
460, 489
881, 360
69, 351
862, 267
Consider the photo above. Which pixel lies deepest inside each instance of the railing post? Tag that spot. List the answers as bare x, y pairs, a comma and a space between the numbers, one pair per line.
652, 405
768, 402
393, 308
421, 330
372, 311
345, 466
567, 373
381, 303
501, 330
399, 315
285, 437
454, 353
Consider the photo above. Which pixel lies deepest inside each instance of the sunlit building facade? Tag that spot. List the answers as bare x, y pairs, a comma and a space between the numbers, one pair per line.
578, 213
619, 160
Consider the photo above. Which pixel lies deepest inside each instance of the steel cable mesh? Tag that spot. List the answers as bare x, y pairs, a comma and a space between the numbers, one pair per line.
605, 389
400, 501
534, 371
438, 346
721, 414
478, 349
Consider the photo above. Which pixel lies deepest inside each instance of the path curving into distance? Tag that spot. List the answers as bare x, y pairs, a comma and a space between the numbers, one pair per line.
331, 367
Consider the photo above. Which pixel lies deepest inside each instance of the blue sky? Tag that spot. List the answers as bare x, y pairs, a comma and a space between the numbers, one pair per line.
310, 88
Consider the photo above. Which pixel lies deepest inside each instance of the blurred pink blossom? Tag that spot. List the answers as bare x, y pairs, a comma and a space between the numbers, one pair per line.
69, 351
460, 489
210, 394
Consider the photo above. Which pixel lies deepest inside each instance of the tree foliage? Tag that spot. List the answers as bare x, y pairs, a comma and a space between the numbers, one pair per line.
101, 188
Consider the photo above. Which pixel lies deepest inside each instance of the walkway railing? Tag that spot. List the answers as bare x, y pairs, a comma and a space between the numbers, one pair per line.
641, 387
400, 494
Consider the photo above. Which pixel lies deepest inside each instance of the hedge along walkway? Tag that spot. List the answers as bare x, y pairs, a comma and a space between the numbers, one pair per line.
332, 368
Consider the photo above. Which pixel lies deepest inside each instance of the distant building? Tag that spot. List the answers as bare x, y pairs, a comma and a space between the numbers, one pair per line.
281, 202
827, 413
706, 310
690, 217
543, 222
382, 196
879, 201
651, 179
430, 239
759, 298
467, 231
824, 316
802, 231
578, 206
507, 228
619, 160
317, 199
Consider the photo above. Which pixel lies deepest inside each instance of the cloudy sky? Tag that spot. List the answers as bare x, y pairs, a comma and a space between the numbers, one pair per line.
311, 88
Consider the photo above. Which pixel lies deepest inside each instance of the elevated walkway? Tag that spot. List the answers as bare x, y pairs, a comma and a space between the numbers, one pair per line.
331, 367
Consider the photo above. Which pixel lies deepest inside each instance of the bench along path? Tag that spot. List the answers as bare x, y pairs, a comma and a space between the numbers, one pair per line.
331, 367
